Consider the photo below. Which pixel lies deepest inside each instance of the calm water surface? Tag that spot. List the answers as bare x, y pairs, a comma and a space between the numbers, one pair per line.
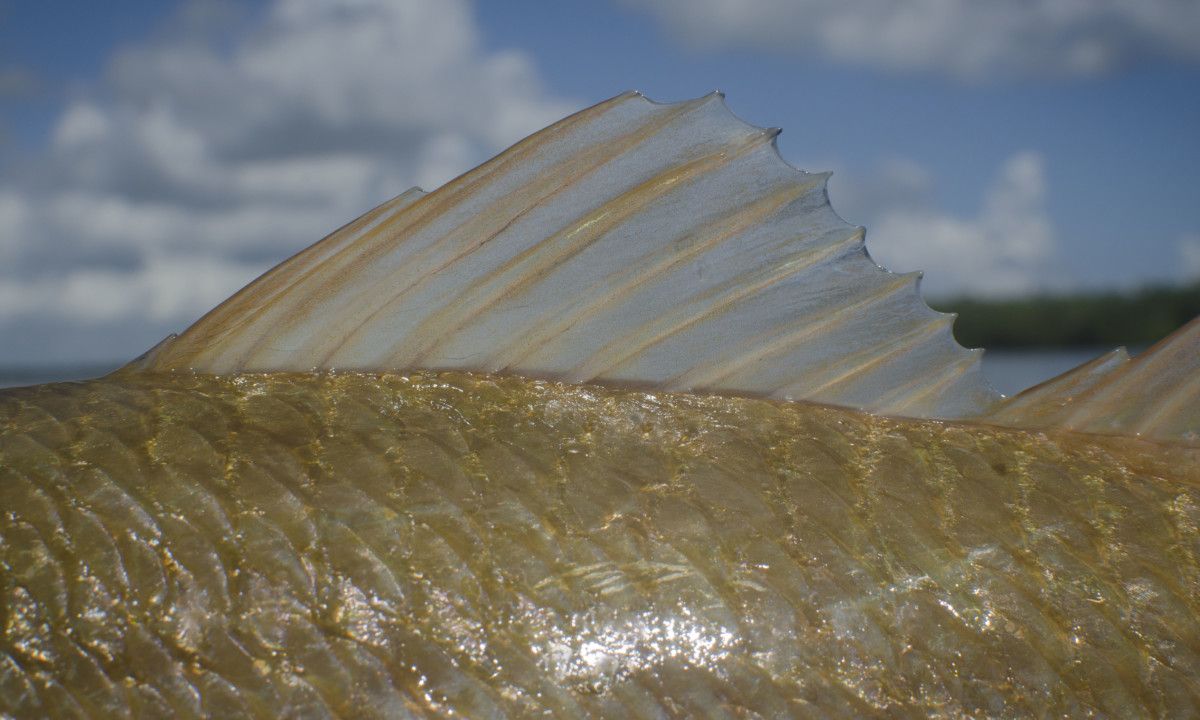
1011, 371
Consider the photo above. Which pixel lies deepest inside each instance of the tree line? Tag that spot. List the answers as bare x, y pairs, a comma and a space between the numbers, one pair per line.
1135, 319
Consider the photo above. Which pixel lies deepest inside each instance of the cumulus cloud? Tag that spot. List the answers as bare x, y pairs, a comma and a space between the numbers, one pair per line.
216, 150
970, 39
1007, 249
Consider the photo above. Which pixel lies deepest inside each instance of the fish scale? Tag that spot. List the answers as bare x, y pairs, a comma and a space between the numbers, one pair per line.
510, 547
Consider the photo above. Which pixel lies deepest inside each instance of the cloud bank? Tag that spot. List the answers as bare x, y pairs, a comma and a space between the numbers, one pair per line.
968, 39
218, 150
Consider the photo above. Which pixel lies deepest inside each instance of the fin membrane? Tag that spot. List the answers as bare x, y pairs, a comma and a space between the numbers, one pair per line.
657, 246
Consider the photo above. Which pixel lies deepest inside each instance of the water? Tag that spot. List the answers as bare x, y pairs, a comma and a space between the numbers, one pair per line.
1010, 371
20, 376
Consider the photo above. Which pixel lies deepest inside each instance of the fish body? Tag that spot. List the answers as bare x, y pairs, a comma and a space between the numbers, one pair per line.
433, 544
622, 423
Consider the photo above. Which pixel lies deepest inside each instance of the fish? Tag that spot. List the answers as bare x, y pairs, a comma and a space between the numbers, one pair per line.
622, 423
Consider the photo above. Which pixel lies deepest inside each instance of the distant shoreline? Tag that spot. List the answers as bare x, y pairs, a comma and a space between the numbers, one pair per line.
1109, 319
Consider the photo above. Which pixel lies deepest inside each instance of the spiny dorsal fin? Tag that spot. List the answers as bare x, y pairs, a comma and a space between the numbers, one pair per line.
663, 246
1156, 395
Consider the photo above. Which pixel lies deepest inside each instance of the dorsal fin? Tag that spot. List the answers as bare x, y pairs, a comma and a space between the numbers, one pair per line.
1155, 395
663, 246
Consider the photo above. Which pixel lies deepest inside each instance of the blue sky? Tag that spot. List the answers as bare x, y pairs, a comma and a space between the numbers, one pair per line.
155, 156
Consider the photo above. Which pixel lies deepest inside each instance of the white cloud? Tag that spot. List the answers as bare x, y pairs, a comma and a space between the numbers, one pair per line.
214, 151
162, 289
964, 38
82, 124
1009, 248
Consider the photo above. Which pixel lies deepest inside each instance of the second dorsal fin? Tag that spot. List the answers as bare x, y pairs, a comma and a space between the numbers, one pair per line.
657, 246
1155, 395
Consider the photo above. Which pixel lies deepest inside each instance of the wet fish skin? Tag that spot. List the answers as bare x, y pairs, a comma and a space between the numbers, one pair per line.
325, 545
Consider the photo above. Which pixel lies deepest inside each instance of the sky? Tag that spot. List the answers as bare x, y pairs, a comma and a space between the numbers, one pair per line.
157, 155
